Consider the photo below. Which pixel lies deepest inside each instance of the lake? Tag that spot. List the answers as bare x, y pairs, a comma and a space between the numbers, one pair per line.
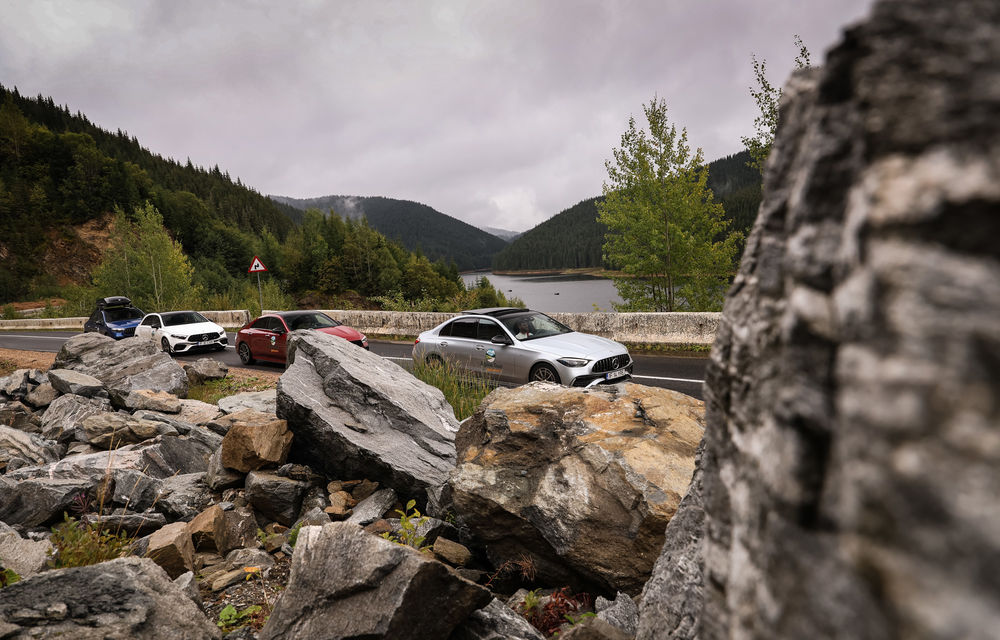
554, 293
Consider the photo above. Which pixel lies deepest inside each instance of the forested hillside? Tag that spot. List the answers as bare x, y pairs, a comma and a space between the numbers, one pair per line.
85, 212
416, 226
573, 238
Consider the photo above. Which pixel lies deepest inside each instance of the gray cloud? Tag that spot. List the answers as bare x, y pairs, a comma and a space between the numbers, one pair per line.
499, 112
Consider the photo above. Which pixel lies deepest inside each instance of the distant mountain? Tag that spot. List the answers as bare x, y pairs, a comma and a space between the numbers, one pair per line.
415, 226
503, 233
574, 238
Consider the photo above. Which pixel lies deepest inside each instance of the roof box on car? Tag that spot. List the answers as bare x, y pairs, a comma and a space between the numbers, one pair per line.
113, 301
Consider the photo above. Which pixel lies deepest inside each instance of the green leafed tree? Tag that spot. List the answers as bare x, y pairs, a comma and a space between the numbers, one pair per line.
767, 97
145, 263
665, 233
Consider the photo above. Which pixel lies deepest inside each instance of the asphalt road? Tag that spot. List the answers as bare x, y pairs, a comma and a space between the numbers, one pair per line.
684, 374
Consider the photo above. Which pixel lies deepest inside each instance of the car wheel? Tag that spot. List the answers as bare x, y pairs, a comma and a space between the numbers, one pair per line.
543, 373
166, 346
434, 361
246, 357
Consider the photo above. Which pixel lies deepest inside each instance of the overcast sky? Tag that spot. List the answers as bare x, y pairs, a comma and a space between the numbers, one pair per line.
500, 113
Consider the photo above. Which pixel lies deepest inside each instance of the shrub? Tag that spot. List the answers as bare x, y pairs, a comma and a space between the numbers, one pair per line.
409, 521
463, 391
561, 607
76, 544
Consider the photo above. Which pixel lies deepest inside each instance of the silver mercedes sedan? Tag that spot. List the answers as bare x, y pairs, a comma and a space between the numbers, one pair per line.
518, 345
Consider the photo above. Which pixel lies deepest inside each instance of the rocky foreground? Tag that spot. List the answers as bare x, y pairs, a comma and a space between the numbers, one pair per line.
312, 488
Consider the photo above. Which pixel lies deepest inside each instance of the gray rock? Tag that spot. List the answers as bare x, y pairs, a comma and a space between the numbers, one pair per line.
621, 612
15, 384
123, 598
496, 621
346, 583
184, 496
41, 396
274, 496
235, 529
18, 415
204, 369
38, 501
129, 523
852, 452
373, 507
581, 482
259, 401
593, 629
189, 587
23, 557
76, 383
150, 400
241, 558
198, 412
115, 430
218, 477
123, 365
30, 448
355, 414
63, 419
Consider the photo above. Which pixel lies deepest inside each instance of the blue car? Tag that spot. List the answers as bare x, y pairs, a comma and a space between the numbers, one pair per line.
114, 317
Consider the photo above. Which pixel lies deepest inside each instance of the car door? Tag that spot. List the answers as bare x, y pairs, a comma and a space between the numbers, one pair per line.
493, 360
280, 330
458, 346
147, 328
265, 340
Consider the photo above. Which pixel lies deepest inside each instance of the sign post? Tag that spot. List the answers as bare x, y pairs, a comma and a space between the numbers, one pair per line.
256, 267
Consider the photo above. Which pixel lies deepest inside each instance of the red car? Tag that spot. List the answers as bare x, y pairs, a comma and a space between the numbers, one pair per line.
266, 338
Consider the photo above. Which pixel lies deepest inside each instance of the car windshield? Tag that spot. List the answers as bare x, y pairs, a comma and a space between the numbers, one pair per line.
182, 317
531, 325
311, 321
123, 313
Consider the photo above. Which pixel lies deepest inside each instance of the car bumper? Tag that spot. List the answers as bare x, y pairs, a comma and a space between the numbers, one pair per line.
592, 379
184, 347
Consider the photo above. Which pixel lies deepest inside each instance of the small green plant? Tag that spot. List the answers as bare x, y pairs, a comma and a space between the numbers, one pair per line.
231, 618
75, 544
530, 602
8, 577
9, 312
560, 607
293, 534
410, 522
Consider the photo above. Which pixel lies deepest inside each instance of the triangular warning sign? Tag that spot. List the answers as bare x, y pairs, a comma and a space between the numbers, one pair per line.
256, 266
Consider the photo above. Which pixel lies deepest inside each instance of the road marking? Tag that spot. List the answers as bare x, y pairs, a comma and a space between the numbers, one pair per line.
7, 335
397, 358
670, 379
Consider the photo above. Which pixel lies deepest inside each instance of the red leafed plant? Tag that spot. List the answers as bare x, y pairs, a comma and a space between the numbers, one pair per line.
549, 617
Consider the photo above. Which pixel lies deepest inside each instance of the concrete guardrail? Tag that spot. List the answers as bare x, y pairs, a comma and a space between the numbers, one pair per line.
636, 328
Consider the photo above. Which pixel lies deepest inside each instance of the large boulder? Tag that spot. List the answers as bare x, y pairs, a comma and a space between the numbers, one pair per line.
75, 382
346, 583
852, 457
356, 415
254, 444
63, 419
123, 365
124, 598
583, 482
26, 448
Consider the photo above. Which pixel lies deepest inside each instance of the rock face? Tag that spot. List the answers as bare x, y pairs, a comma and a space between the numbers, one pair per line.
124, 598
346, 583
581, 481
123, 365
853, 432
355, 414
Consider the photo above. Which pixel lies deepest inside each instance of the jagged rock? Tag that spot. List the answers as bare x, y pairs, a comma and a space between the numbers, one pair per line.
23, 557
339, 505
431, 529
314, 517
621, 612
204, 369
852, 452
198, 412
123, 598
274, 496
364, 489
373, 507
259, 401
133, 524
122, 365
17, 415
345, 583
593, 629
15, 385
28, 447
218, 477
236, 529
76, 383
203, 526
496, 621
151, 400
224, 423
242, 558
63, 419
171, 548
582, 482
39, 494
115, 430
250, 446
453, 553
355, 414
189, 587
41, 396
183, 496
672, 599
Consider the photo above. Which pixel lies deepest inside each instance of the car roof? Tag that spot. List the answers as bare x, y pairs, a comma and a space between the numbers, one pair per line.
495, 312
293, 314
167, 314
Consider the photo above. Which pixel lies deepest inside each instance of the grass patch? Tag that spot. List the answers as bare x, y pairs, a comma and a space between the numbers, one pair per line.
7, 367
695, 350
463, 391
212, 390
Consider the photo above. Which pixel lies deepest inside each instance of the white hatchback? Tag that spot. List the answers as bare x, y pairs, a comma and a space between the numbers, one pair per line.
182, 331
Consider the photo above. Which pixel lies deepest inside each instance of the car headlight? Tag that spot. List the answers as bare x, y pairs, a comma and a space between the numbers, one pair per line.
177, 337
572, 362
364, 338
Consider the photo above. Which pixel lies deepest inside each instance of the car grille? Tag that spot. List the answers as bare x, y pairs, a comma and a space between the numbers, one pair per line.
612, 364
128, 333
202, 337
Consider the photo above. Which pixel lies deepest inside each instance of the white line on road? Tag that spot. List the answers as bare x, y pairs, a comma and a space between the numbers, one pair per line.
8, 335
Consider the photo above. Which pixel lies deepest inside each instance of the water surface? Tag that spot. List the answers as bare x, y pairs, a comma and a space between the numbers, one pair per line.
555, 293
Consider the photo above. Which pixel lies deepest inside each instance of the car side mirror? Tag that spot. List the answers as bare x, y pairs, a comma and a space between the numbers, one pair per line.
501, 339
279, 331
